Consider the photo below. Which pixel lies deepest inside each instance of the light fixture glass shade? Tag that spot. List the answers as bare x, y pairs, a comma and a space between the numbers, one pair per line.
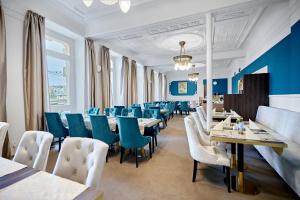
193, 77
109, 2
88, 3
125, 5
183, 61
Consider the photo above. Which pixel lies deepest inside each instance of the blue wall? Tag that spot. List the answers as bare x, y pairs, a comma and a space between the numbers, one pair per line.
221, 87
191, 88
283, 61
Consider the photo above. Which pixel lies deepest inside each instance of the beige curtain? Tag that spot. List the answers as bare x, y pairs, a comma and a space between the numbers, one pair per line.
165, 88
160, 87
92, 82
146, 92
3, 72
105, 77
152, 87
34, 71
125, 85
133, 93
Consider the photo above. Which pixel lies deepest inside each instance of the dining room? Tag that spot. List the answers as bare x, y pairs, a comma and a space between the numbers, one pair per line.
148, 99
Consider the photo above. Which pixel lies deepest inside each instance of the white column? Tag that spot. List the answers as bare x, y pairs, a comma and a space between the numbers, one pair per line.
209, 103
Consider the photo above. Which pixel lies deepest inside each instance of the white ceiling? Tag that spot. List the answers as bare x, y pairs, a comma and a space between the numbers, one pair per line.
150, 32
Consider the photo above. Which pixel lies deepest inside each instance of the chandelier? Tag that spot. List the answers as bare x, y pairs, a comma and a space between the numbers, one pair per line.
183, 61
124, 4
193, 76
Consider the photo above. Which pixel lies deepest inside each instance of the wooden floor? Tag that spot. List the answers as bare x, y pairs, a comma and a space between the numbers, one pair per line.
168, 175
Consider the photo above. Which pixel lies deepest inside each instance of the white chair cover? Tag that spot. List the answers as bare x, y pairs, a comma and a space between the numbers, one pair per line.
3, 131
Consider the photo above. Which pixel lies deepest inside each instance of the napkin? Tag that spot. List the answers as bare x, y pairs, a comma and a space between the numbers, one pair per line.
252, 125
227, 121
219, 126
214, 111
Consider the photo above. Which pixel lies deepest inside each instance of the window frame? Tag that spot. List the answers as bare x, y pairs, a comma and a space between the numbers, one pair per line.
71, 59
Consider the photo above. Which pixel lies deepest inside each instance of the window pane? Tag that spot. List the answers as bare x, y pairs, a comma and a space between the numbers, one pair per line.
58, 46
58, 80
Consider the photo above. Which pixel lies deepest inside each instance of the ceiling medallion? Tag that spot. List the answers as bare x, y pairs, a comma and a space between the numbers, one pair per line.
183, 61
193, 76
124, 4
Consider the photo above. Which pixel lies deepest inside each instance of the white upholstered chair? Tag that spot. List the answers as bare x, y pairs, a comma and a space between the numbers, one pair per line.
202, 116
33, 149
202, 153
3, 131
82, 160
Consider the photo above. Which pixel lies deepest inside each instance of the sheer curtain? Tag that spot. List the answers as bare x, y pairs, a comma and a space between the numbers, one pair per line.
164, 87
152, 86
3, 68
34, 71
133, 80
125, 74
105, 77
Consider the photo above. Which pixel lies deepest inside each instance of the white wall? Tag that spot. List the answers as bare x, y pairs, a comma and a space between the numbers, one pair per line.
218, 72
14, 16
274, 25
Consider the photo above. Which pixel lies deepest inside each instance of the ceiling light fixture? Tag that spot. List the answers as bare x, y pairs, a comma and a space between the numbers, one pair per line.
193, 76
183, 61
124, 5
88, 3
109, 2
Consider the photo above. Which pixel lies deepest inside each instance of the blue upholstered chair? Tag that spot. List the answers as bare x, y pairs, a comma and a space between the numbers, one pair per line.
147, 113
118, 110
184, 107
131, 138
93, 111
137, 112
156, 114
147, 105
56, 127
136, 105
108, 111
124, 112
101, 130
76, 126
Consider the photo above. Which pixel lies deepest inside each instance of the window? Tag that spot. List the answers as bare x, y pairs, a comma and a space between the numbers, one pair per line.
59, 62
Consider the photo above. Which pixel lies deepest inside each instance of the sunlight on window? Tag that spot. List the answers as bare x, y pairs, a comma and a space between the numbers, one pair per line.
57, 46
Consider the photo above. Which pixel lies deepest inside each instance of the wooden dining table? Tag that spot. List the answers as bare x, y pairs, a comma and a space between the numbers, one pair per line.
238, 139
19, 182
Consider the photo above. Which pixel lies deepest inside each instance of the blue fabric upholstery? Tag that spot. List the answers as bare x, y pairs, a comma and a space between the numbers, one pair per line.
124, 112
108, 111
147, 113
93, 111
130, 135
137, 112
55, 125
118, 110
76, 126
184, 106
136, 105
101, 130
147, 105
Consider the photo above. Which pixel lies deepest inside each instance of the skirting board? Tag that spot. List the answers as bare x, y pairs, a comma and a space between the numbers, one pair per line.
289, 102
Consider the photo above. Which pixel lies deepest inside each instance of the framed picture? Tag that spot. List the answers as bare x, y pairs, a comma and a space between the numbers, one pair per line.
182, 87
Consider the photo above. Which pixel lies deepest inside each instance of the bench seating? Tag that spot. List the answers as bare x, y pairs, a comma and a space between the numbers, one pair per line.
286, 125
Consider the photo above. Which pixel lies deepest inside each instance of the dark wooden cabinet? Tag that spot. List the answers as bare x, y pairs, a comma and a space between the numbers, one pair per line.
255, 93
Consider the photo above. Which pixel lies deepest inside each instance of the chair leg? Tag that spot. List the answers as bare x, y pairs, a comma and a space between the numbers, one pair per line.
107, 157
155, 137
195, 170
228, 177
150, 150
122, 153
152, 144
136, 158
59, 144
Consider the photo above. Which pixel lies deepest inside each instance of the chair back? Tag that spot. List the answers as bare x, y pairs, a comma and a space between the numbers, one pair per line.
55, 125
137, 112
201, 117
3, 131
147, 113
129, 132
93, 111
107, 111
184, 106
82, 160
124, 112
101, 129
135, 105
33, 149
77, 126
118, 110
